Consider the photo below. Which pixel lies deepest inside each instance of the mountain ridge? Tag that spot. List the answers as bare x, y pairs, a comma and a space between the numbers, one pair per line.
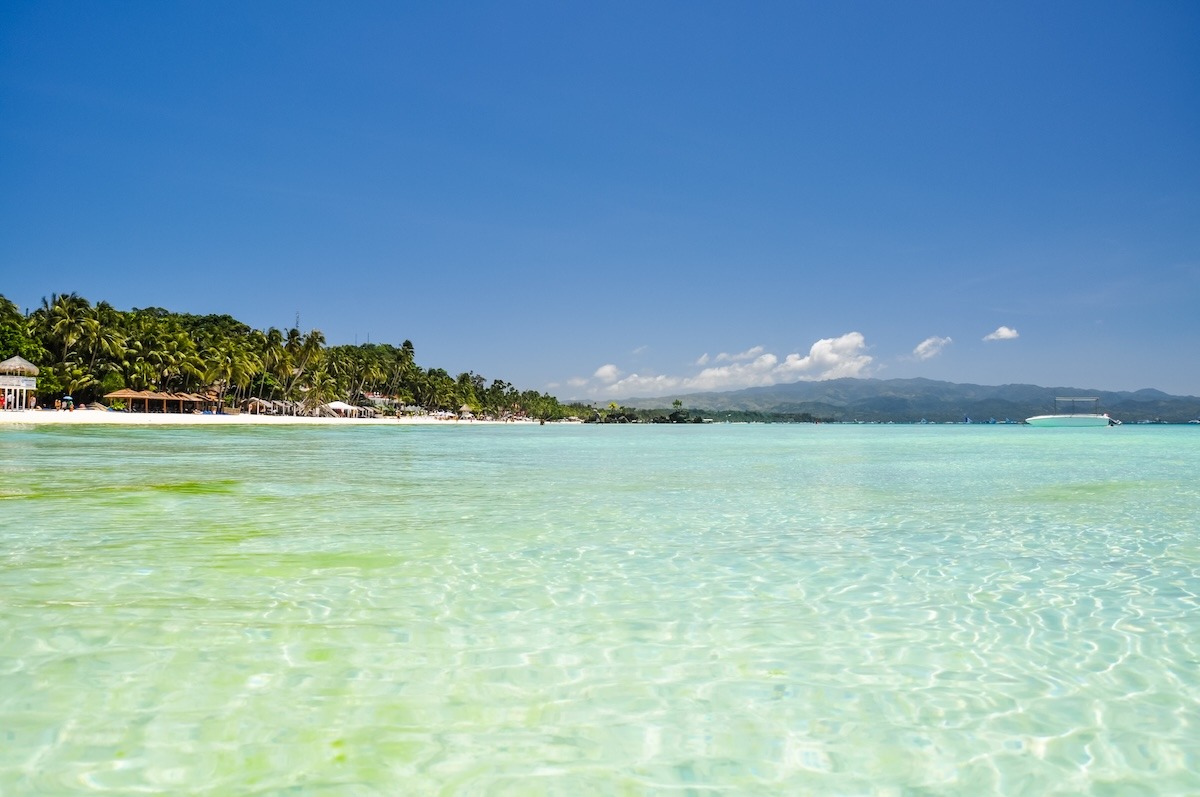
919, 398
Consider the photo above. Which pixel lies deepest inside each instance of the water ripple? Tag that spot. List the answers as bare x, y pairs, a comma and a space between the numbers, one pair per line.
594, 611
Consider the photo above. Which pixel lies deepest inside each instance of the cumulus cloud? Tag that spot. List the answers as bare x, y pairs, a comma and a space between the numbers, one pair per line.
931, 347
703, 360
607, 373
1002, 333
828, 358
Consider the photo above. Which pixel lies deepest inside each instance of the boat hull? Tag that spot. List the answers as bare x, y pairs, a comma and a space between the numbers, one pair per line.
1069, 420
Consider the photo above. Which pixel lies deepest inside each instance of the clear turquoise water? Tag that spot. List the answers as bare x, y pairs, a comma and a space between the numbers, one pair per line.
600, 610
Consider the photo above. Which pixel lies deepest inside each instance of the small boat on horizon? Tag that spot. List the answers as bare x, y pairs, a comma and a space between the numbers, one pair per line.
1074, 411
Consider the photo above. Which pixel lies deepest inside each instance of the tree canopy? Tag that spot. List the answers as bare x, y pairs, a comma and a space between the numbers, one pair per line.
89, 350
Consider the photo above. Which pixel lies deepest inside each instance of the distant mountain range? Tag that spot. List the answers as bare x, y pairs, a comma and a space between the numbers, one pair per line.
911, 400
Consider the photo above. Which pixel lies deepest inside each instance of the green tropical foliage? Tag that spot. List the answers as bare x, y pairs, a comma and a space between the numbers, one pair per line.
91, 350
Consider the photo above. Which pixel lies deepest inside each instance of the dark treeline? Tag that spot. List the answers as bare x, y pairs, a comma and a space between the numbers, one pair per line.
616, 413
88, 351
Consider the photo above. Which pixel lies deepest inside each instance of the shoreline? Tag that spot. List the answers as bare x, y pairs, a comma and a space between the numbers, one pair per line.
89, 416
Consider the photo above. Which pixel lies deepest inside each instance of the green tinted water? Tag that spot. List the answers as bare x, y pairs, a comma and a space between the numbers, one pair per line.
600, 610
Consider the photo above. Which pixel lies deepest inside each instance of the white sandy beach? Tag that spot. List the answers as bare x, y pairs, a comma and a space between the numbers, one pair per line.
89, 416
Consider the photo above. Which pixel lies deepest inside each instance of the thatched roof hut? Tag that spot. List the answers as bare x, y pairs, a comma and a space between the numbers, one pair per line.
18, 366
159, 402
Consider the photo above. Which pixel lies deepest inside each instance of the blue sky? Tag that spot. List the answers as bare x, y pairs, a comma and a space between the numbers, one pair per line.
608, 200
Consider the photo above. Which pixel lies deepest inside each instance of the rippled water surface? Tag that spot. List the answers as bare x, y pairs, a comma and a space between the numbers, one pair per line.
584, 610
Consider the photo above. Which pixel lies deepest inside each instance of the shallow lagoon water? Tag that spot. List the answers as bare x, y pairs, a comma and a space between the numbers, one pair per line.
576, 610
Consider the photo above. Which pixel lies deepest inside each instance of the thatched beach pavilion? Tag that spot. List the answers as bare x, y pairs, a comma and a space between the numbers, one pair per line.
160, 402
18, 380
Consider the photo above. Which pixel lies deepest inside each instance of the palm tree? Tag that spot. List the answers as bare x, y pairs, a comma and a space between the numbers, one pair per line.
75, 379
466, 390
9, 312
103, 339
322, 388
60, 321
179, 363
17, 335
60, 324
435, 390
304, 355
274, 355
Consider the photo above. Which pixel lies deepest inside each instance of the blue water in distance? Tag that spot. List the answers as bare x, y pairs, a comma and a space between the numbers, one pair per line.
574, 610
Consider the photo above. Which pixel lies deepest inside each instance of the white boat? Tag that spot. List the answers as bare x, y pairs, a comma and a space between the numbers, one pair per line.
1074, 411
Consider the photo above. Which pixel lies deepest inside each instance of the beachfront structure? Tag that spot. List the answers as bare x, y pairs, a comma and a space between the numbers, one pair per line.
18, 380
151, 401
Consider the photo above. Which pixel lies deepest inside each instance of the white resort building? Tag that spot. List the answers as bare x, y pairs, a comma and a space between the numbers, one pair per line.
18, 381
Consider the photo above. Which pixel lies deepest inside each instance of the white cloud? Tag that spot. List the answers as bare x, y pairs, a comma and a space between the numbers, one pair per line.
828, 358
637, 385
931, 347
703, 361
749, 354
1002, 333
607, 373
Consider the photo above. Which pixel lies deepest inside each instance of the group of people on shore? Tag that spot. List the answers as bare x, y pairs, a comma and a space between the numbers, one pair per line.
67, 404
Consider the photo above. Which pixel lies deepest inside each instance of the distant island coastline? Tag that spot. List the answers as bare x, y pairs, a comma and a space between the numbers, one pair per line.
915, 400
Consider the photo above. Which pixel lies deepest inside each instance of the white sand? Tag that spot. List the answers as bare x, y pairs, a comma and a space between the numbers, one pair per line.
8, 417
